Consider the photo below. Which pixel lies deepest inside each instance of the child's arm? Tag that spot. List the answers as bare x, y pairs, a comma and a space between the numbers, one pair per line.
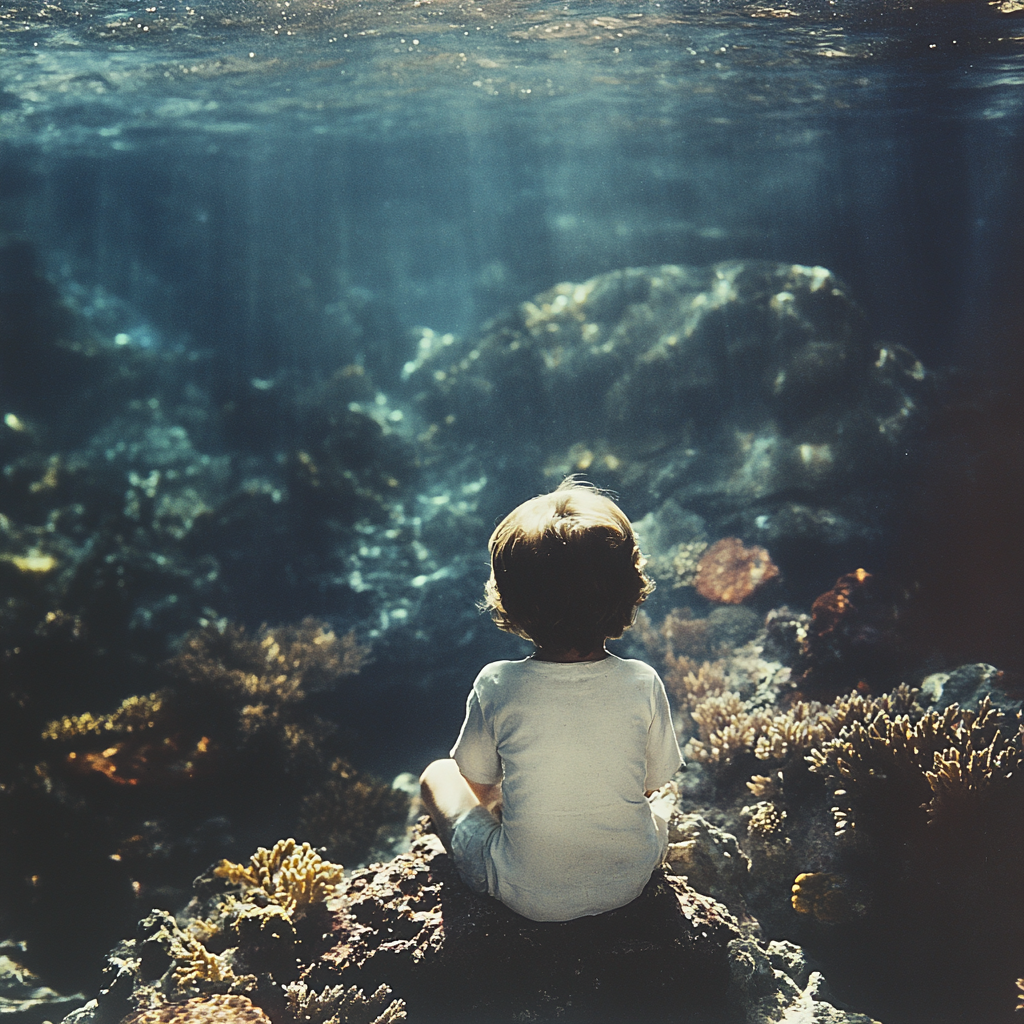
488, 795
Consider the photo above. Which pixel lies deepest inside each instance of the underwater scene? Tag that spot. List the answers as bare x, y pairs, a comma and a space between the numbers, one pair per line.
299, 298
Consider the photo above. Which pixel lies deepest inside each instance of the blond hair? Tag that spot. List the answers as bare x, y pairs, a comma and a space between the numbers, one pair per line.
566, 570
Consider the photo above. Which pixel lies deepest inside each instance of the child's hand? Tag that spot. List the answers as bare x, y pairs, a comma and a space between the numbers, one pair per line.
664, 800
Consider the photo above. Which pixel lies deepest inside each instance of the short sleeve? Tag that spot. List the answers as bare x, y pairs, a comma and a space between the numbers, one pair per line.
663, 755
475, 750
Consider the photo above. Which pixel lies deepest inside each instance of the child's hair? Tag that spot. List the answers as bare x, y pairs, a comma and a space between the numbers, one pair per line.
566, 570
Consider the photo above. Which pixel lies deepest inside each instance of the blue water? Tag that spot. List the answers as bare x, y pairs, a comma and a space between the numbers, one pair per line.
297, 185
261, 188
234, 170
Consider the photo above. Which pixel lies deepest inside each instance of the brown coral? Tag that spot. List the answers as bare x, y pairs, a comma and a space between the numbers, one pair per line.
690, 684
142, 743
214, 1009
134, 714
725, 728
729, 573
810, 724
948, 762
728, 727
197, 967
255, 680
340, 1005
274, 667
294, 877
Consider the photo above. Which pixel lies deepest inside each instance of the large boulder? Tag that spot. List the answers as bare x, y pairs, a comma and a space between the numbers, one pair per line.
751, 393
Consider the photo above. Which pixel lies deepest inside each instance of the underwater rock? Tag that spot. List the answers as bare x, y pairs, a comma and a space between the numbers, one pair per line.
408, 936
114, 812
968, 686
774, 986
235, 952
457, 956
751, 394
864, 808
709, 857
24, 999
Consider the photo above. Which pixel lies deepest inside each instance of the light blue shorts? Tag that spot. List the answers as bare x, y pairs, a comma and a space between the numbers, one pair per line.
472, 837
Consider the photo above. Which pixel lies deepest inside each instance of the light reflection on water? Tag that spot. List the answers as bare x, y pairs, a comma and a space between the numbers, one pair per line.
221, 166
98, 72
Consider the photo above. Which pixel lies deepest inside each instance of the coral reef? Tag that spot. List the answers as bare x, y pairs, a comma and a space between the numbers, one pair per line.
412, 925
864, 807
822, 802
213, 1009
689, 684
292, 877
943, 766
143, 797
730, 573
237, 951
927, 803
227, 692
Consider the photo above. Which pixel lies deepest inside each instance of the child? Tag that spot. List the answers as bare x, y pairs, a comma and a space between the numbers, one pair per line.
543, 803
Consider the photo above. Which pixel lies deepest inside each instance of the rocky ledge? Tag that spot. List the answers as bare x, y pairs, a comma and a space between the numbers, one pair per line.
407, 940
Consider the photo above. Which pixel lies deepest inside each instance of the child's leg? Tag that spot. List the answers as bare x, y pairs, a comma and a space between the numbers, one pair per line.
447, 797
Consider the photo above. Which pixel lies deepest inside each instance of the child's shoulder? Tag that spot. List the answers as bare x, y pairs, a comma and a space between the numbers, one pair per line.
498, 669
634, 667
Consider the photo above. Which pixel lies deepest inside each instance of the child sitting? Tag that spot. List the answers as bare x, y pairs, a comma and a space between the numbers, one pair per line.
543, 803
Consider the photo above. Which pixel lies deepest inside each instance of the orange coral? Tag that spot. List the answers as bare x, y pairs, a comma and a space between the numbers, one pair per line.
729, 573
133, 760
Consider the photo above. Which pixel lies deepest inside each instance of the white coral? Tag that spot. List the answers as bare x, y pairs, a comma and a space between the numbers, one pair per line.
338, 1005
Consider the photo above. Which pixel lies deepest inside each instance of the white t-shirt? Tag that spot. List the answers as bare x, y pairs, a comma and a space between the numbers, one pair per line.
574, 745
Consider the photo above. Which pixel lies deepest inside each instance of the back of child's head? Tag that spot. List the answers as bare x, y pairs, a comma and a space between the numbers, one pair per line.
566, 570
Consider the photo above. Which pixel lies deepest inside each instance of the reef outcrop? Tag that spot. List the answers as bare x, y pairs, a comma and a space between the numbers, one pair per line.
750, 393
157, 507
835, 822
405, 939
118, 810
